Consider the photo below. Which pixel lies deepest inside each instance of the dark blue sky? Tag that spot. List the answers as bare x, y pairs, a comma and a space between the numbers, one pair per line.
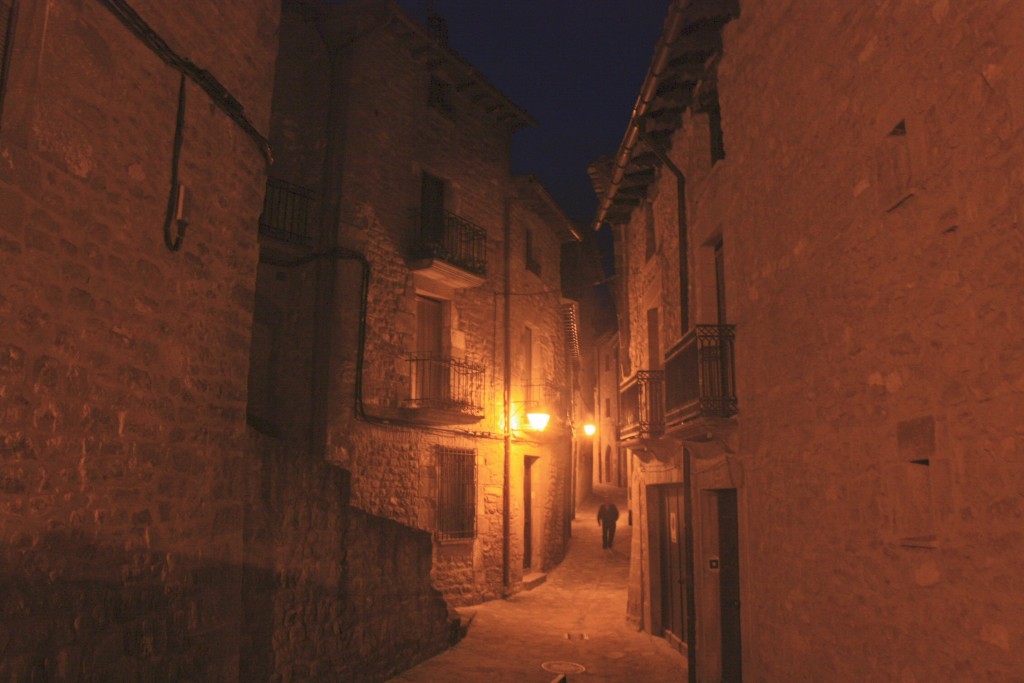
575, 65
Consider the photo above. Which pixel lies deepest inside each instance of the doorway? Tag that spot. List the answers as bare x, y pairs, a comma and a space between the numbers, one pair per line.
528, 463
672, 563
432, 381
721, 538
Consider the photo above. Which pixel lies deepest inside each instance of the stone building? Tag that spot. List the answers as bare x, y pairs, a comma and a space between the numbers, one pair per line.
429, 276
610, 462
817, 210
157, 521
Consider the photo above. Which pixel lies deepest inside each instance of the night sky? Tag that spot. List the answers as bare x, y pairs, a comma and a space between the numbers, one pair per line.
575, 65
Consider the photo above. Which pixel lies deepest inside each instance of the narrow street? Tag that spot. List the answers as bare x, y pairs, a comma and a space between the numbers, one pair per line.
576, 616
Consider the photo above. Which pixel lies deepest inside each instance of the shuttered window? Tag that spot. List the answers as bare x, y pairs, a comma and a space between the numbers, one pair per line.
456, 493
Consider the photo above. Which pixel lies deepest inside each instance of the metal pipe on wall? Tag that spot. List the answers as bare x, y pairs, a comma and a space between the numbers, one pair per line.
506, 483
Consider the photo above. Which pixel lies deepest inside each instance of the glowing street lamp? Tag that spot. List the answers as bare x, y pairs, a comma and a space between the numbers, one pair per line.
538, 421
589, 429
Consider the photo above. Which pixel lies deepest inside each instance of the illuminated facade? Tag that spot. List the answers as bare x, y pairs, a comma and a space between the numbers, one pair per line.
818, 250
440, 282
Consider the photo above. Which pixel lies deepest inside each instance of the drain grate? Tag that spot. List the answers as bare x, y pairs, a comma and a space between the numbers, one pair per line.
577, 636
563, 667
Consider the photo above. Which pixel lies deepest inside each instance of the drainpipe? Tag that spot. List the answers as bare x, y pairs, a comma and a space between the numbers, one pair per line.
684, 252
673, 24
506, 484
691, 600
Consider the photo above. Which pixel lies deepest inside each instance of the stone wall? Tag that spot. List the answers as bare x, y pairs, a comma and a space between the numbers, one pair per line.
872, 252
145, 532
877, 257
390, 135
330, 592
122, 431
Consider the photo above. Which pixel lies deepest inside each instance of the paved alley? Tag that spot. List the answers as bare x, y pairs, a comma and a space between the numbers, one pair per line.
510, 640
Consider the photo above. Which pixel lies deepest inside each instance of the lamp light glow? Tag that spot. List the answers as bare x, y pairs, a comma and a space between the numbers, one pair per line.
589, 429
538, 421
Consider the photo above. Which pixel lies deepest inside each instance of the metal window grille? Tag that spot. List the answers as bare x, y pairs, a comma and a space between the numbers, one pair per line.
8, 15
286, 211
456, 493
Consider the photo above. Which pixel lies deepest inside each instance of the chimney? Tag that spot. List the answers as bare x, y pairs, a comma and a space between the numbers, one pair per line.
438, 27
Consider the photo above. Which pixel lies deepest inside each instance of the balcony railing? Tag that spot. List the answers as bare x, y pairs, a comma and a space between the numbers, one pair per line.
446, 384
452, 239
286, 211
700, 377
641, 406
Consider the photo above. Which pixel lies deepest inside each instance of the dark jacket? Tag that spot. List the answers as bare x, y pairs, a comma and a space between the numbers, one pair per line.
607, 514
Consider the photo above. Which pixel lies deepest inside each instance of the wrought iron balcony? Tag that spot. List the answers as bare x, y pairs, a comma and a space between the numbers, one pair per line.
641, 406
450, 249
446, 390
286, 212
700, 377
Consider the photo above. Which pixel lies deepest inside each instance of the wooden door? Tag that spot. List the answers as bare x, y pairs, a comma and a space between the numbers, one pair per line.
729, 585
673, 564
528, 462
432, 372
720, 281
432, 211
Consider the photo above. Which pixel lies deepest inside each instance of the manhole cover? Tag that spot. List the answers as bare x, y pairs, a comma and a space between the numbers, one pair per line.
563, 667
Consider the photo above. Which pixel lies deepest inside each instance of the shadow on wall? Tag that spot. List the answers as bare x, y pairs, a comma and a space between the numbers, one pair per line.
325, 592
349, 597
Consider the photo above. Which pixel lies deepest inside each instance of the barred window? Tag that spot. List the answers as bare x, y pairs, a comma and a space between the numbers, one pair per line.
456, 493
8, 14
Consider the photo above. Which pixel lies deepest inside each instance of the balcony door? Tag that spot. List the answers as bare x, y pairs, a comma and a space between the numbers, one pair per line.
653, 340
720, 281
672, 557
432, 211
432, 371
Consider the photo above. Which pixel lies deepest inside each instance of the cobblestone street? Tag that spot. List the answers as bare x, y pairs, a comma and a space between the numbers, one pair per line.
576, 616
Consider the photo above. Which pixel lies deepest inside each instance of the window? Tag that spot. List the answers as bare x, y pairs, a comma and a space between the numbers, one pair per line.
8, 15
715, 131
432, 211
710, 106
528, 388
684, 266
649, 232
440, 96
653, 340
431, 376
607, 407
532, 264
720, 281
456, 493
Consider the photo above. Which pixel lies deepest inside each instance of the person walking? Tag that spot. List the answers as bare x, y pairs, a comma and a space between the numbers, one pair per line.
607, 516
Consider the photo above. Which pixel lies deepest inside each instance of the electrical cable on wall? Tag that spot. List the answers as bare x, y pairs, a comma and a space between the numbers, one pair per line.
176, 212
176, 203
